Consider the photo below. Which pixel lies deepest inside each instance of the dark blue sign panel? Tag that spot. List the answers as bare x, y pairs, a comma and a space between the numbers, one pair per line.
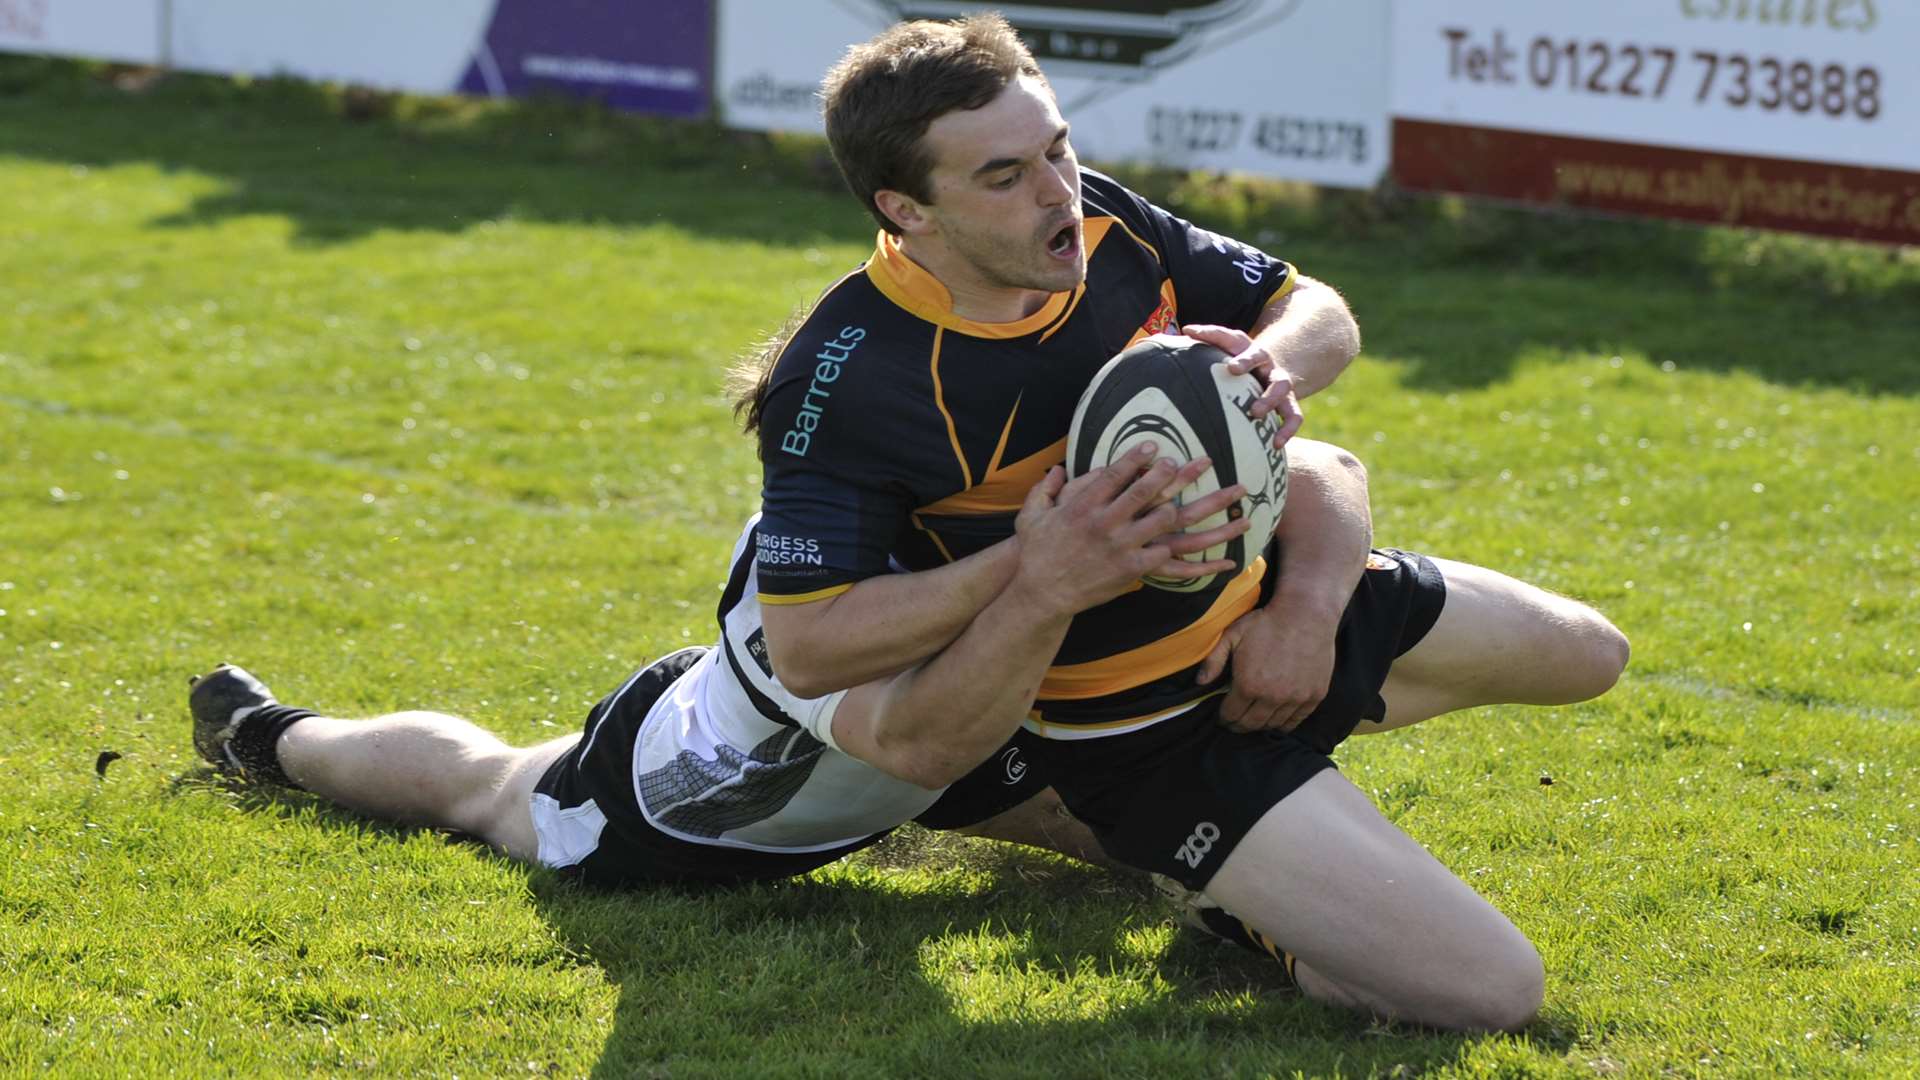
647, 55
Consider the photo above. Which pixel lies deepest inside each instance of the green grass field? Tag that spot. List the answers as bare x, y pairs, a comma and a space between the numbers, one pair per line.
425, 410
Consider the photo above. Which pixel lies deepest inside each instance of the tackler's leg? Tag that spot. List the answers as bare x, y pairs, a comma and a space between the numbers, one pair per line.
414, 768
424, 768
1043, 821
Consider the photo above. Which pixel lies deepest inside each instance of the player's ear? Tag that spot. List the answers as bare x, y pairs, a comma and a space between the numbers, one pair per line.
904, 211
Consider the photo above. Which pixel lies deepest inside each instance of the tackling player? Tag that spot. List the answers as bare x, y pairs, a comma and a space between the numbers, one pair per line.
703, 768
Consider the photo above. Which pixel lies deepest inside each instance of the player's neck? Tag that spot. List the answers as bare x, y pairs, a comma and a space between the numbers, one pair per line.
973, 297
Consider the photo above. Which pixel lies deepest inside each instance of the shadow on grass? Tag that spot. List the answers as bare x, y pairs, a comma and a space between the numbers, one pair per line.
1517, 315
841, 973
343, 165
1463, 293
851, 977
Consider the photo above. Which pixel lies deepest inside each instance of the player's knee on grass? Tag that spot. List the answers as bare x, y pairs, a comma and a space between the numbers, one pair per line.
1496, 983
1503, 990
1374, 919
1344, 459
1500, 989
1612, 652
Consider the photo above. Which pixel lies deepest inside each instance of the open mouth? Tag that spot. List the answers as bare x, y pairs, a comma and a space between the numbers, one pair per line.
1065, 244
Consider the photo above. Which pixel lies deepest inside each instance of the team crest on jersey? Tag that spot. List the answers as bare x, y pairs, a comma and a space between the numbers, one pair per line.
1161, 318
1378, 561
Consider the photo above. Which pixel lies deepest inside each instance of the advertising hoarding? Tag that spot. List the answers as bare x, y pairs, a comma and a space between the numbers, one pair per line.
129, 31
1287, 88
1794, 114
652, 56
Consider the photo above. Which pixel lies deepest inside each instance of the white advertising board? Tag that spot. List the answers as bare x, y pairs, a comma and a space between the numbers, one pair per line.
1814, 80
1287, 88
404, 46
1787, 114
124, 30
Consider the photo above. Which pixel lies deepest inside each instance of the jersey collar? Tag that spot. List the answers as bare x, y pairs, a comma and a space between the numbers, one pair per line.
919, 293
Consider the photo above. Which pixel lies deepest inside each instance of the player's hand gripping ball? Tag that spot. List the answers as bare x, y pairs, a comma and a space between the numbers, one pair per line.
1176, 392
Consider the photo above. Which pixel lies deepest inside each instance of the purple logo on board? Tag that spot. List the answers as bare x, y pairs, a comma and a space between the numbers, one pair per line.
652, 57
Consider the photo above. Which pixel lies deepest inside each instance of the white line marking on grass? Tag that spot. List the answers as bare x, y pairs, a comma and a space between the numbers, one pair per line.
1698, 687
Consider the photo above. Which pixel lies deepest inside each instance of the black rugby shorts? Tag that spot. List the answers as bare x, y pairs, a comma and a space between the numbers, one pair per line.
1177, 797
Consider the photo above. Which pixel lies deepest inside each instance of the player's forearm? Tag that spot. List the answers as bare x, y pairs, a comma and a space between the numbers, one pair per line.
936, 722
883, 625
1310, 333
1325, 533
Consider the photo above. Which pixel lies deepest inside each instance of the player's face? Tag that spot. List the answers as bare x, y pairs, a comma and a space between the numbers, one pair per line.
1006, 195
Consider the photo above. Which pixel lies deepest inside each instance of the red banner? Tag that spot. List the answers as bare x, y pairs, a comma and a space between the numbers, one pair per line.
1693, 185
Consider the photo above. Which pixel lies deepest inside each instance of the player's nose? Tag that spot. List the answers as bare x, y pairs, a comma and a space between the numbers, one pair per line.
1056, 188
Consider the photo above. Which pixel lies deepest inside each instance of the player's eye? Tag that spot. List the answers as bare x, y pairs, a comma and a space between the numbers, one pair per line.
1006, 181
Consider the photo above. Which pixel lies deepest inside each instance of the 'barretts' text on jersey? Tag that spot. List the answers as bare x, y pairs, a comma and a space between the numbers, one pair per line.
830, 357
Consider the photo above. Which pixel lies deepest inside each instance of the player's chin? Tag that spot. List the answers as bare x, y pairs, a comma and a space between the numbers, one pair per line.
1062, 275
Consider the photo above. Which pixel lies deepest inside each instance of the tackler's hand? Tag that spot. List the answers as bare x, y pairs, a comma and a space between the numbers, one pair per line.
1245, 355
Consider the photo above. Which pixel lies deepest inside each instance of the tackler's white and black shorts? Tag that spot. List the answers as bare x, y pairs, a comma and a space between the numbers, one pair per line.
591, 826
1175, 798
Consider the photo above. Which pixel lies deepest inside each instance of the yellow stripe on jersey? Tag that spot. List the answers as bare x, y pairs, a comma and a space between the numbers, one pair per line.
1293, 277
805, 597
940, 402
1002, 490
1178, 650
1136, 239
933, 536
1072, 305
1000, 448
1039, 725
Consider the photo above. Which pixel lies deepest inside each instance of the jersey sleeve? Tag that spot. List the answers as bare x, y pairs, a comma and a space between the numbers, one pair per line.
829, 510
1216, 278
815, 715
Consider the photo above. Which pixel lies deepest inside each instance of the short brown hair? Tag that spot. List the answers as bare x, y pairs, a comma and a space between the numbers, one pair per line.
881, 97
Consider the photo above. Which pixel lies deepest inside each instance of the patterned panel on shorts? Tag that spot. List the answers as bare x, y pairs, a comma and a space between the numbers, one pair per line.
701, 797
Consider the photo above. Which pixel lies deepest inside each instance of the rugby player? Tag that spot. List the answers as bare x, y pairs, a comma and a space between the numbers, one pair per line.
903, 419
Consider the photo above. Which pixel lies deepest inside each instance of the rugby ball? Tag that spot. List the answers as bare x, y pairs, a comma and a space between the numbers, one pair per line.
1176, 392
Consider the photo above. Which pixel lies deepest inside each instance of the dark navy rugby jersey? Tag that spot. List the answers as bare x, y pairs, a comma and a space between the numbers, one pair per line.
897, 430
